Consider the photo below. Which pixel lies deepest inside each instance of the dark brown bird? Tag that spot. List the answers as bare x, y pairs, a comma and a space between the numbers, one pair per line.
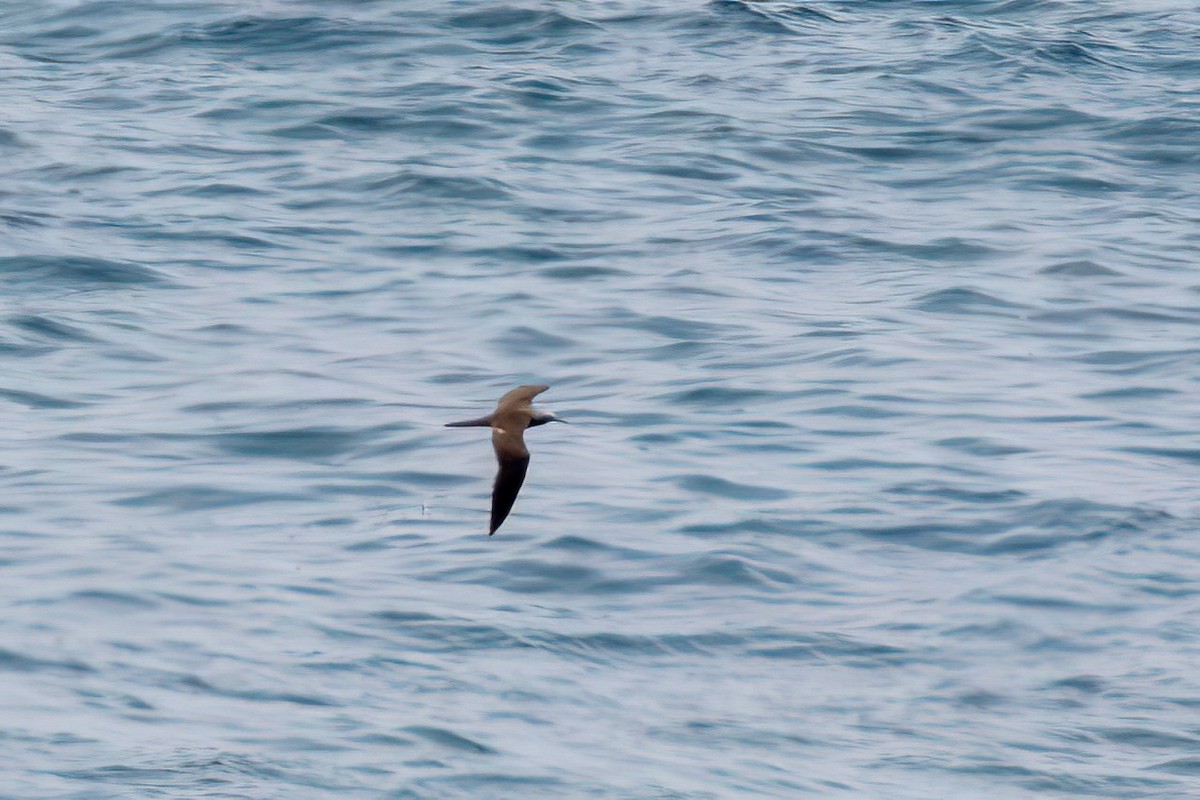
514, 413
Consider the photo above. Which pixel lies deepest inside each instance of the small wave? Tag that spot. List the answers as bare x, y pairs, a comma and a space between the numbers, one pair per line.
35, 400
961, 300
1080, 268
13, 661
720, 487
71, 272
449, 739
201, 497
299, 443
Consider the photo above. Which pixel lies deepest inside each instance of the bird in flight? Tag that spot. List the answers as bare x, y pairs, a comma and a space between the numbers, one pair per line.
514, 413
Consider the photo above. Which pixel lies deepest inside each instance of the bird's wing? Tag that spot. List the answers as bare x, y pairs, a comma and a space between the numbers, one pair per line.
520, 395
513, 458
481, 422
504, 492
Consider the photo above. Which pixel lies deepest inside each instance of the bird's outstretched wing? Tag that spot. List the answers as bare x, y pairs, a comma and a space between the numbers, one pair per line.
519, 395
509, 478
481, 422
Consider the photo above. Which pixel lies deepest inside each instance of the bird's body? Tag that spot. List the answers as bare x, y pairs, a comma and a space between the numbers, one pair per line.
514, 413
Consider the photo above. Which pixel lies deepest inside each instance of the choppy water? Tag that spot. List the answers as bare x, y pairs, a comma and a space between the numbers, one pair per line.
877, 324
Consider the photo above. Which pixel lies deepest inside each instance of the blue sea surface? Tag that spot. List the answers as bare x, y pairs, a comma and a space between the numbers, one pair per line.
877, 325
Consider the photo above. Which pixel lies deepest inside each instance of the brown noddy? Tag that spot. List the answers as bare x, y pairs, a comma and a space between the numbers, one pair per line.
514, 413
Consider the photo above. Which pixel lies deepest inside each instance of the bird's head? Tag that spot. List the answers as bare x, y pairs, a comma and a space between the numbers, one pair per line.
541, 418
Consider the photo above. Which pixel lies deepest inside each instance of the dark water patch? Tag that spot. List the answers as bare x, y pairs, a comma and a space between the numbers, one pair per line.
1131, 393
1072, 183
449, 739
1048, 602
733, 731
407, 616
23, 350
93, 437
718, 396
677, 352
886, 154
515, 254
1041, 119
1126, 359
1179, 766
1042, 526
648, 419
48, 328
422, 479
483, 784
960, 300
415, 185
723, 569
767, 427
1062, 419
688, 170
224, 775
1098, 314
844, 649
1079, 269
949, 248
437, 635
12, 661
316, 591
197, 684
220, 190
35, 400
582, 272
757, 525
220, 236
198, 497
24, 219
1087, 684
524, 340
954, 493
10, 140
101, 599
751, 16
678, 328
856, 412
356, 490
1148, 738
264, 36
193, 600
720, 487
507, 26
364, 120
341, 404
68, 272
310, 131
374, 544
531, 576
262, 109
1076, 54
301, 443
976, 446
854, 464
583, 545
1191, 455
606, 647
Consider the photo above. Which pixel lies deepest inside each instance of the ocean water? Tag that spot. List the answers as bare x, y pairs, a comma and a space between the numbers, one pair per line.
877, 325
